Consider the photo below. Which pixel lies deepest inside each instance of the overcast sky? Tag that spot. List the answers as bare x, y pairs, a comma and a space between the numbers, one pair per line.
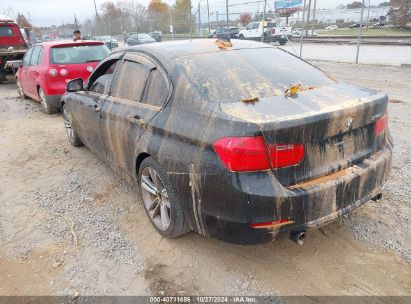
49, 12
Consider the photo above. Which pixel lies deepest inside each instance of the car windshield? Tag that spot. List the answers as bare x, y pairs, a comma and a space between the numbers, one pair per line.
244, 74
78, 54
6, 31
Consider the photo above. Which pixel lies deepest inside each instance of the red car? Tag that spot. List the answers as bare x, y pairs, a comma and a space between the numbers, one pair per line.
48, 66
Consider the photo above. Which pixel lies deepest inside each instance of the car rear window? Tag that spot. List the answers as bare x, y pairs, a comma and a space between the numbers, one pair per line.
248, 73
78, 54
6, 31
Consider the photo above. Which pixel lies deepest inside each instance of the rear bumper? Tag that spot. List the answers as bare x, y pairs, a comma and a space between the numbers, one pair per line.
54, 101
306, 205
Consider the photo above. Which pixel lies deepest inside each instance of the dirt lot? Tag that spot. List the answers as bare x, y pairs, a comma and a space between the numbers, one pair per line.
46, 185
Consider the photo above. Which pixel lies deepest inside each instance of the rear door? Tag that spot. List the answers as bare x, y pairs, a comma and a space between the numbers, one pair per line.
140, 89
33, 73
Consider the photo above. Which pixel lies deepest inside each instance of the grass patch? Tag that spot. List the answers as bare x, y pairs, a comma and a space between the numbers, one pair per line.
366, 32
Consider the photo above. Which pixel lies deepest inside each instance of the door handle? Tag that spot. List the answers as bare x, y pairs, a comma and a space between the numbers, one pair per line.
135, 119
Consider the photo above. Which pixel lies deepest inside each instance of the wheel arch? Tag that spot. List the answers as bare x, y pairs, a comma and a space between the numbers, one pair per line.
139, 160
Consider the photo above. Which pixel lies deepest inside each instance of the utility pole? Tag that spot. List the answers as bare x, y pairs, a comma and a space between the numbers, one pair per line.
97, 17
226, 6
302, 32
191, 23
263, 21
95, 8
308, 16
359, 32
171, 20
208, 17
200, 33
75, 22
312, 27
368, 17
217, 16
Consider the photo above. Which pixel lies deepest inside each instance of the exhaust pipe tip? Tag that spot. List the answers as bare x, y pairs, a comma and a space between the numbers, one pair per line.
377, 197
298, 236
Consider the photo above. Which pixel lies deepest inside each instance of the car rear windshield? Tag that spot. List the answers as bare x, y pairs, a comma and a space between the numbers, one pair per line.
6, 31
77, 54
233, 76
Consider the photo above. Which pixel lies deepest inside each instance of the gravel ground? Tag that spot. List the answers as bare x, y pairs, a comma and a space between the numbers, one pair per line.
70, 226
386, 223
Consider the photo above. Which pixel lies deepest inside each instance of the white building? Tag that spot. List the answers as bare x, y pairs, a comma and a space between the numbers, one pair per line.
348, 15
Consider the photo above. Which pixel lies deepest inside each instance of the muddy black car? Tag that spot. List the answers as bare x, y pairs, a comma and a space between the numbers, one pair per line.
219, 142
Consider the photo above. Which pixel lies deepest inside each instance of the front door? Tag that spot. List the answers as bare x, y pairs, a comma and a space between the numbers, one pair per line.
89, 104
138, 92
24, 71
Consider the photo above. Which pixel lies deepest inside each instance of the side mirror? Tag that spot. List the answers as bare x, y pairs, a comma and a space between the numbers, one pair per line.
75, 85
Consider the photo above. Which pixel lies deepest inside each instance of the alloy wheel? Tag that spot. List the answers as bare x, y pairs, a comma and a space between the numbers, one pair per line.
68, 125
155, 198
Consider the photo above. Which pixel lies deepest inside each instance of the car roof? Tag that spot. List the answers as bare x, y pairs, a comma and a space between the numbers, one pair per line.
166, 51
69, 43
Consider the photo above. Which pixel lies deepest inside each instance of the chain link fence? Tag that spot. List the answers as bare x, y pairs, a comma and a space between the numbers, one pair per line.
364, 31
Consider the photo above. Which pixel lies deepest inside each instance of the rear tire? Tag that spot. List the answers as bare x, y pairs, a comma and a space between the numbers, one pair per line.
44, 103
71, 132
162, 205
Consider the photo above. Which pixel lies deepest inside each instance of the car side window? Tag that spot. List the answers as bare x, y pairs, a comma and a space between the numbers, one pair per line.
102, 84
256, 26
156, 90
131, 81
99, 84
27, 56
36, 55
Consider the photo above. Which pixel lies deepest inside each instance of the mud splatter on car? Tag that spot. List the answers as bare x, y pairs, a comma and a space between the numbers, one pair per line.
174, 124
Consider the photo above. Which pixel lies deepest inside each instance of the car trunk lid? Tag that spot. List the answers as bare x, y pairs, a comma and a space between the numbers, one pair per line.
334, 122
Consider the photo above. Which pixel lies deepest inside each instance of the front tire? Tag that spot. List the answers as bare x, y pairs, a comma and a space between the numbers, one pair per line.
71, 132
241, 36
160, 200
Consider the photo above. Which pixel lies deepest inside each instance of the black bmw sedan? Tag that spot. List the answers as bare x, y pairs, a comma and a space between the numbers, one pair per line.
242, 143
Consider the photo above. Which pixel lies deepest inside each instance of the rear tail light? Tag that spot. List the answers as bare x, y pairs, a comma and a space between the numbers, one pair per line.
242, 153
53, 72
273, 31
285, 155
63, 72
253, 154
381, 124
